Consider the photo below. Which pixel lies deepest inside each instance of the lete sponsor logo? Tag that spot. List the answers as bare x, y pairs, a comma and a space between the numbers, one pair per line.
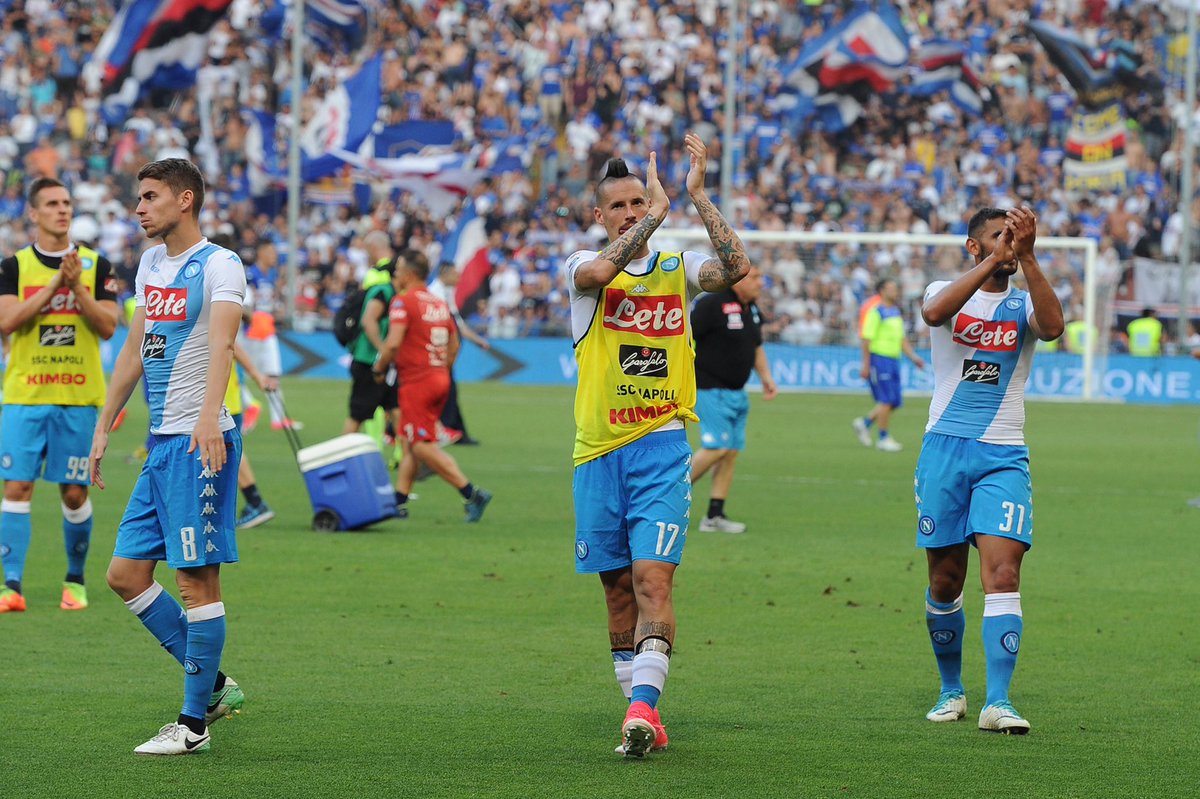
166, 304
653, 316
643, 361
981, 372
61, 302
988, 336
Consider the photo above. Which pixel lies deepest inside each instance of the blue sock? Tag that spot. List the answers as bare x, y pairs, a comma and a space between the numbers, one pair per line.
205, 640
15, 531
867, 422
646, 693
77, 535
882, 434
946, 622
163, 617
1002, 627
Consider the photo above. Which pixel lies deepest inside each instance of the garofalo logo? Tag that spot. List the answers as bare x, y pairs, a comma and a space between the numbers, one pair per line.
981, 372
643, 361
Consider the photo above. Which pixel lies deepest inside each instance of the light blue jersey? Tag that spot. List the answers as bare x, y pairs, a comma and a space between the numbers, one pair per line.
176, 293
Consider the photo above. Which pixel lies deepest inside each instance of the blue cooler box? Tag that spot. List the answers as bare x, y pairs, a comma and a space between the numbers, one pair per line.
348, 482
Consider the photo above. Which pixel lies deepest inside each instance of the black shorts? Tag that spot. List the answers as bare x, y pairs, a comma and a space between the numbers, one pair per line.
366, 395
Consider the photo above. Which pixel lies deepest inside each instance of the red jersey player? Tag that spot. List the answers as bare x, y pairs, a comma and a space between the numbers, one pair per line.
423, 339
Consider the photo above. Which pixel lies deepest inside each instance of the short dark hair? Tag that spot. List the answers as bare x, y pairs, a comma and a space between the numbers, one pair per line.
180, 175
881, 282
1149, 311
416, 262
40, 185
614, 169
981, 218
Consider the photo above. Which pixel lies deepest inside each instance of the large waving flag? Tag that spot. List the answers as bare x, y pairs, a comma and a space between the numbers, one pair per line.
1098, 75
336, 24
943, 65
866, 53
413, 137
342, 122
466, 247
153, 44
439, 181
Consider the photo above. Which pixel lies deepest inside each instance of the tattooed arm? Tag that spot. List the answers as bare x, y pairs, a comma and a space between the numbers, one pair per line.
631, 244
731, 263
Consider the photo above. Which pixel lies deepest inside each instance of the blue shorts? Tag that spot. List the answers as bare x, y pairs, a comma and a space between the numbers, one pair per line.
965, 487
885, 380
722, 413
179, 512
633, 503
53, 442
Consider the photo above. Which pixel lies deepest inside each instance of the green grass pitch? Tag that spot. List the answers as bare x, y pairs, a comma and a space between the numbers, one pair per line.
430, 658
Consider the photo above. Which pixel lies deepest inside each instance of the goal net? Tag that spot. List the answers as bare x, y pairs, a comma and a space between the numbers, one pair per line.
816, 283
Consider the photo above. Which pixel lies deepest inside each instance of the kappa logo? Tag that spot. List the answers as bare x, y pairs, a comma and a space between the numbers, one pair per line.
643, 361
208, 491
942, 637
981, 372
209, 509
209, 529
640, 288
926, 525
154, 347
56, 335
210, 547
1011, 641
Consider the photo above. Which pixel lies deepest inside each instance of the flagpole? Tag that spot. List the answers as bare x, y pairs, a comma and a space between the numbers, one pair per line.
292, 272
1189, 164
730, 113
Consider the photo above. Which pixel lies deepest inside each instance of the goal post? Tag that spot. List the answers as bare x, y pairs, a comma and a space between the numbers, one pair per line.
792, 259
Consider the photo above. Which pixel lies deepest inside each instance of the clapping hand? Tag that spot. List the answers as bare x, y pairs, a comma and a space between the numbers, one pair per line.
698, 159
1022, 224
659, 202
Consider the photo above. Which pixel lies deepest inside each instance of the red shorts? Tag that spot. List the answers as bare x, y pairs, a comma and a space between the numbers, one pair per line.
421, 404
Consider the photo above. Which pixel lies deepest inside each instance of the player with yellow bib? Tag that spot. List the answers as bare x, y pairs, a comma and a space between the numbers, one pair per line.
57, 301
637, 388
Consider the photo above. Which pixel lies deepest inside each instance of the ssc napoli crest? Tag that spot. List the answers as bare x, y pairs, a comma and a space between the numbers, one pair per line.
5, 460
1011, 642
581, 549
192, 269
926, 525
190, 666
1013, 305
670, 264
86, 263
942, 637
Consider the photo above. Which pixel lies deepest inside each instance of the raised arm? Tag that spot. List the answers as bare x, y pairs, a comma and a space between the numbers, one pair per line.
941, 307
1047, 320
609, 262
731, 263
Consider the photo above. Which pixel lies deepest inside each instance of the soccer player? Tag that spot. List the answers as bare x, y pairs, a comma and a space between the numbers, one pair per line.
728, 330
883, 340
57, 300
972, 479
422, 342
443, 288
189, 303
637, 387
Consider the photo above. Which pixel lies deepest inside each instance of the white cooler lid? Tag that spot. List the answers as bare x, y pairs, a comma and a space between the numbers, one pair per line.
334, 450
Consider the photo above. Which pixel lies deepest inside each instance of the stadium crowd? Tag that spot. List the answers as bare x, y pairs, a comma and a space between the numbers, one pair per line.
578, 83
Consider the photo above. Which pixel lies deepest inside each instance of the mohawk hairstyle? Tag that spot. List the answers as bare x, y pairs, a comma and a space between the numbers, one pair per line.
614, 169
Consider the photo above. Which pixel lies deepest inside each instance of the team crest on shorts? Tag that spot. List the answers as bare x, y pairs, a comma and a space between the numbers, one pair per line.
1011, 641
581, 549
5, 461
926, 525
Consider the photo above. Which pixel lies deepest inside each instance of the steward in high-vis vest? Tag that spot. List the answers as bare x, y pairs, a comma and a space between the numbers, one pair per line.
637, 390
1145, 334
57, 302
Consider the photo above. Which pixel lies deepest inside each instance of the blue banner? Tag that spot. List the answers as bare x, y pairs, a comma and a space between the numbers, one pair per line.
551, 361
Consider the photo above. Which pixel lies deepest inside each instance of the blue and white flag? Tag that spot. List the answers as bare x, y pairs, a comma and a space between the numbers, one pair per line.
944, 65
413, 137
152, 44
342, 122
336, 24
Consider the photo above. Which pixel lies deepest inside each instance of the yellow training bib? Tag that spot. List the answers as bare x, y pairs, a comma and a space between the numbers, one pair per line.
636, 362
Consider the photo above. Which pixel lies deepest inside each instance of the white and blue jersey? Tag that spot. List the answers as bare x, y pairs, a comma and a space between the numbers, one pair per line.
176, 293
981, 360
972, 475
